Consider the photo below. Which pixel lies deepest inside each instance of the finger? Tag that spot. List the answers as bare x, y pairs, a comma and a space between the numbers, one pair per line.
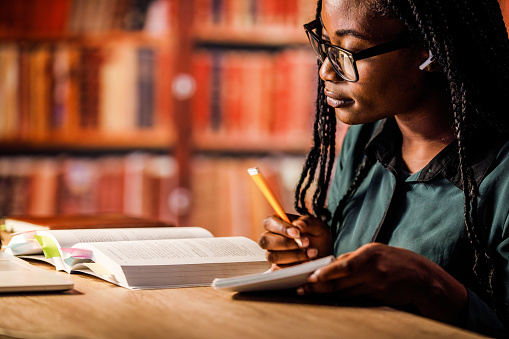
307, 224
287, 257
276, 225
276, 242
339, 268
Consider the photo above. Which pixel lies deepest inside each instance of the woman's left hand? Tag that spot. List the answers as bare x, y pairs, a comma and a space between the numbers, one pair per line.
395, 277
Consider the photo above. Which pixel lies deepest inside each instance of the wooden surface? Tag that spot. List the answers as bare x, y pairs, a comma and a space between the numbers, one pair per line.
97, 309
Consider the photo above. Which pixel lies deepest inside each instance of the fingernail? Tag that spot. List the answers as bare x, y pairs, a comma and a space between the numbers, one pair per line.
312, 252
293, 232
300, 291
305, 241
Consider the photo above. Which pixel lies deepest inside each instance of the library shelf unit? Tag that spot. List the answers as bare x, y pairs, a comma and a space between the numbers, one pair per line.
232, 85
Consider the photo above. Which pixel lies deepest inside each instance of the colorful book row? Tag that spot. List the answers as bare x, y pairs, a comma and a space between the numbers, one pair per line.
250, 96
60, 17
51, 90
138, 184
251, 15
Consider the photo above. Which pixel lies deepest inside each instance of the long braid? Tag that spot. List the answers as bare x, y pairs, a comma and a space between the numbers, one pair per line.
320, 157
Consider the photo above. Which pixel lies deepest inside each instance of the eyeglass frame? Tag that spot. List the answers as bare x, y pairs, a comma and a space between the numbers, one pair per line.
385, 47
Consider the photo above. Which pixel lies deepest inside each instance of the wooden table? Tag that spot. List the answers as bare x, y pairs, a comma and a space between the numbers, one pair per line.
98, 309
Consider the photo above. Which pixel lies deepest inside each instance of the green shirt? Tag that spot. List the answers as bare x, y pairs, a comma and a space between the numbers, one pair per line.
424, 211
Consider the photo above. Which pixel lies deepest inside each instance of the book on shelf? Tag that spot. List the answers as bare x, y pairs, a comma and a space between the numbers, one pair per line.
143, 258
280, 279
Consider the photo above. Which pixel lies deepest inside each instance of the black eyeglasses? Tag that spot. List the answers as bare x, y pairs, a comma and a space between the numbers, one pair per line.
343, 61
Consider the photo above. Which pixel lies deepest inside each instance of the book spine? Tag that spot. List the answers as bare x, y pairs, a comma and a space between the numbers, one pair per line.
202, 102
146, 87
89, 87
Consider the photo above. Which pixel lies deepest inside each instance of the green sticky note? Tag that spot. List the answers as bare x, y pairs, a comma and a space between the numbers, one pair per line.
49, 248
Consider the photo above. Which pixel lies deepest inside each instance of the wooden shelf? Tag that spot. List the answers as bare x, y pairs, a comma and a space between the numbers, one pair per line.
93, 38
94, 140
257, 37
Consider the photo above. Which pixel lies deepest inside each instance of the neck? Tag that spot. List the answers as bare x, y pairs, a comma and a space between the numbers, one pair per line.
424, 136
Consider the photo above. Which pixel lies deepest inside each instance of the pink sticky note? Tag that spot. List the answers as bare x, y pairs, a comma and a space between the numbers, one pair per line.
78, 252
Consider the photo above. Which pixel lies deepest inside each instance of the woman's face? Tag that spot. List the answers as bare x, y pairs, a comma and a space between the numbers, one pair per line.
389, 84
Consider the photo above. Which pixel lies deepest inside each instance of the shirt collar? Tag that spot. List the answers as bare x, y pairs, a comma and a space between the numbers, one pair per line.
385, 147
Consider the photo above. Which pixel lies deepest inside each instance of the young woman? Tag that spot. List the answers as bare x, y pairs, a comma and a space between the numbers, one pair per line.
417, 210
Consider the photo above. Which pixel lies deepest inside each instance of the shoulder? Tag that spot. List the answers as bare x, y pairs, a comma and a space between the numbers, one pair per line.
494, 191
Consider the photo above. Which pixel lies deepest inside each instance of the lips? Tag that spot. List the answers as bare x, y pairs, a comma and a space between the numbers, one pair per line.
336, 102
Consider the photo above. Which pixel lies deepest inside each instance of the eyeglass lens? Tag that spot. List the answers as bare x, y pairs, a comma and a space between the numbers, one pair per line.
342, 62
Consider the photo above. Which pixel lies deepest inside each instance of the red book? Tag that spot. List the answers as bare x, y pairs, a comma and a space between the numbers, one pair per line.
163, 77
201, 103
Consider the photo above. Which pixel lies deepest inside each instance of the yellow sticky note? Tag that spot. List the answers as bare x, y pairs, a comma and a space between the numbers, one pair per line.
98, 268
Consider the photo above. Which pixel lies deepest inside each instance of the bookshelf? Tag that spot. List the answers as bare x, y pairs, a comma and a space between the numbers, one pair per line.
86, 111
154, 107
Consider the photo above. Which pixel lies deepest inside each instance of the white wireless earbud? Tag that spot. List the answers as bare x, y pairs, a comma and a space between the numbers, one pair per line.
427, 62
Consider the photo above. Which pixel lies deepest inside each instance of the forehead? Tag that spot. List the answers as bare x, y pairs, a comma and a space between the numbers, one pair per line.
358, 16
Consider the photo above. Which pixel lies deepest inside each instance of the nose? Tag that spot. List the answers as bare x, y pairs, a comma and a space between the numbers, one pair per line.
327, 72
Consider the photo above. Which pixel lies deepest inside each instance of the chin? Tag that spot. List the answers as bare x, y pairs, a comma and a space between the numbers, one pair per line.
347, 117
356, 118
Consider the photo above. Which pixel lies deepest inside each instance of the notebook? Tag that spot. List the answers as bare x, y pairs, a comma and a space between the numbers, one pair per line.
17, 275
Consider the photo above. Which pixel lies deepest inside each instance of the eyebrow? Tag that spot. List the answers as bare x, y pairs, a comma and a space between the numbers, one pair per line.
345, 32
351, 32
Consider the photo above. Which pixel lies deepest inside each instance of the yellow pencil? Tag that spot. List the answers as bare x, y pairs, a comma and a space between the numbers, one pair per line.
262, 184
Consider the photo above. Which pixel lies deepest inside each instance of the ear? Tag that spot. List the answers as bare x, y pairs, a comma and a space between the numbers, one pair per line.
427, 63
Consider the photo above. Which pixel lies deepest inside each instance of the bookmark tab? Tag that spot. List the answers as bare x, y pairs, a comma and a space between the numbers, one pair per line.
49, 248
16, 245
78, 253
98, 268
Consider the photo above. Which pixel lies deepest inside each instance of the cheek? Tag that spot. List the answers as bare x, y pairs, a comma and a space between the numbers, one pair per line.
390, 89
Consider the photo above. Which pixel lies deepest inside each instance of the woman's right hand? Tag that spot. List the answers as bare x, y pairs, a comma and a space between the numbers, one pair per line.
283, 250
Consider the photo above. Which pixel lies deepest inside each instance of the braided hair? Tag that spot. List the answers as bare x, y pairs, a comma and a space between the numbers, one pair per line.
470, 43
320, 157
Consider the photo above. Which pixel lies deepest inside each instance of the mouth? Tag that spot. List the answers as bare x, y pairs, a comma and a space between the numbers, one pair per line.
335, 102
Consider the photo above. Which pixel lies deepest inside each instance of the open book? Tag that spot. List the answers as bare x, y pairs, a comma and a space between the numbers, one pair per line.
143, 258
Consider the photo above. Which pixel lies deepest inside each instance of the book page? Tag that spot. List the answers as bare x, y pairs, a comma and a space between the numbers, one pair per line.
67, 238
176, 252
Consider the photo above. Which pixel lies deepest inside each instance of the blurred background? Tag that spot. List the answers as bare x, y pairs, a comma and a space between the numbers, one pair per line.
154, 108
